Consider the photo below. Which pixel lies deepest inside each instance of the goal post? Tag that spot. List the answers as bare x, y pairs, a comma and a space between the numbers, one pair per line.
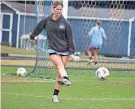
116, 20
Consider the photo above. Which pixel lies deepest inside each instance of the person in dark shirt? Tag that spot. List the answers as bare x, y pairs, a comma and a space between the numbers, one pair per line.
61, 45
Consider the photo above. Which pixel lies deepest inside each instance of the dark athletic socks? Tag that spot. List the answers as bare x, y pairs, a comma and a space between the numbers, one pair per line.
56, 92
65, 77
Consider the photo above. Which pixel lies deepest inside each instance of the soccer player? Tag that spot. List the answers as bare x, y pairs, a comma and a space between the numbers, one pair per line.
61, 45
98, 37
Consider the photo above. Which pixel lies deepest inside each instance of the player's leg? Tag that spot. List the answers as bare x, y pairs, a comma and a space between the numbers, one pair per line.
65, 79
96, 51
58, 77
64, 61
56, 89
56, 60
90, 52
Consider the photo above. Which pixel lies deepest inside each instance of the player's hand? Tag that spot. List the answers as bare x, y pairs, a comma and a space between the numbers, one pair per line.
32, 41
105, 43
72, 57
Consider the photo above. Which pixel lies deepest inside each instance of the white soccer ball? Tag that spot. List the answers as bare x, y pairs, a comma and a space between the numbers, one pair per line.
76, 58
21, 72
102, 73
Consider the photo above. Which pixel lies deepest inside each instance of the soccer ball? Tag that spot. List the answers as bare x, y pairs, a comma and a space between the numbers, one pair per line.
21, 72
76, 58
102, 73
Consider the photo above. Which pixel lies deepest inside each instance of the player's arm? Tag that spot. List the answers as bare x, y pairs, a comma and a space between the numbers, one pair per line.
105, 43
69, 35
38, 29
104, 37
91, 32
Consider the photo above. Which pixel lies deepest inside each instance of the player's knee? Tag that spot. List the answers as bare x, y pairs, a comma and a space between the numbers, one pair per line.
59, 65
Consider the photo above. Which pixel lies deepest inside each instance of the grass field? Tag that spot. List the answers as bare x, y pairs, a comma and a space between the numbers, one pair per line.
86, 92
16, 51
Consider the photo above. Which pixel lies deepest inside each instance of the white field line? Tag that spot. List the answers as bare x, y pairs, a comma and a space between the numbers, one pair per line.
73, 98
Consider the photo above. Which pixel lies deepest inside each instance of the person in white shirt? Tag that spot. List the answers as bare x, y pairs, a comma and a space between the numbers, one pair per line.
98, 37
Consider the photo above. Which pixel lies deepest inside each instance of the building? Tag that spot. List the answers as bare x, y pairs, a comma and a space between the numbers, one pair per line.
16, 19
19, 18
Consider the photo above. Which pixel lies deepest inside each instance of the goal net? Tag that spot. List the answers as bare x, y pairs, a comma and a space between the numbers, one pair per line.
118, 22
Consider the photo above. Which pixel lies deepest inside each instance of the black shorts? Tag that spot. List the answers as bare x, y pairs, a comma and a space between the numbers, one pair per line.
57, 54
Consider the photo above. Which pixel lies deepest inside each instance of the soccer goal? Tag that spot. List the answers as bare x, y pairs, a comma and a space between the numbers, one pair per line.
118, 22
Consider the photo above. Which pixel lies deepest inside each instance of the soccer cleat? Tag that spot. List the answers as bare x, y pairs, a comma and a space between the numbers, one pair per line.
64, 82
55, 98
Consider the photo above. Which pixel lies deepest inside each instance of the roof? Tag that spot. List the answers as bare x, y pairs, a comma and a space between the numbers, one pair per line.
29, 9
20, 7
81, 12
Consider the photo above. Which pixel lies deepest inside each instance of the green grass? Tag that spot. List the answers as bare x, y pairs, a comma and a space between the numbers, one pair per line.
86, 92
19, 51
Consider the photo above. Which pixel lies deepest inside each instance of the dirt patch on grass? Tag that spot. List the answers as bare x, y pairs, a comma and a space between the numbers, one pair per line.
23, 80
18, 62
14, 80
